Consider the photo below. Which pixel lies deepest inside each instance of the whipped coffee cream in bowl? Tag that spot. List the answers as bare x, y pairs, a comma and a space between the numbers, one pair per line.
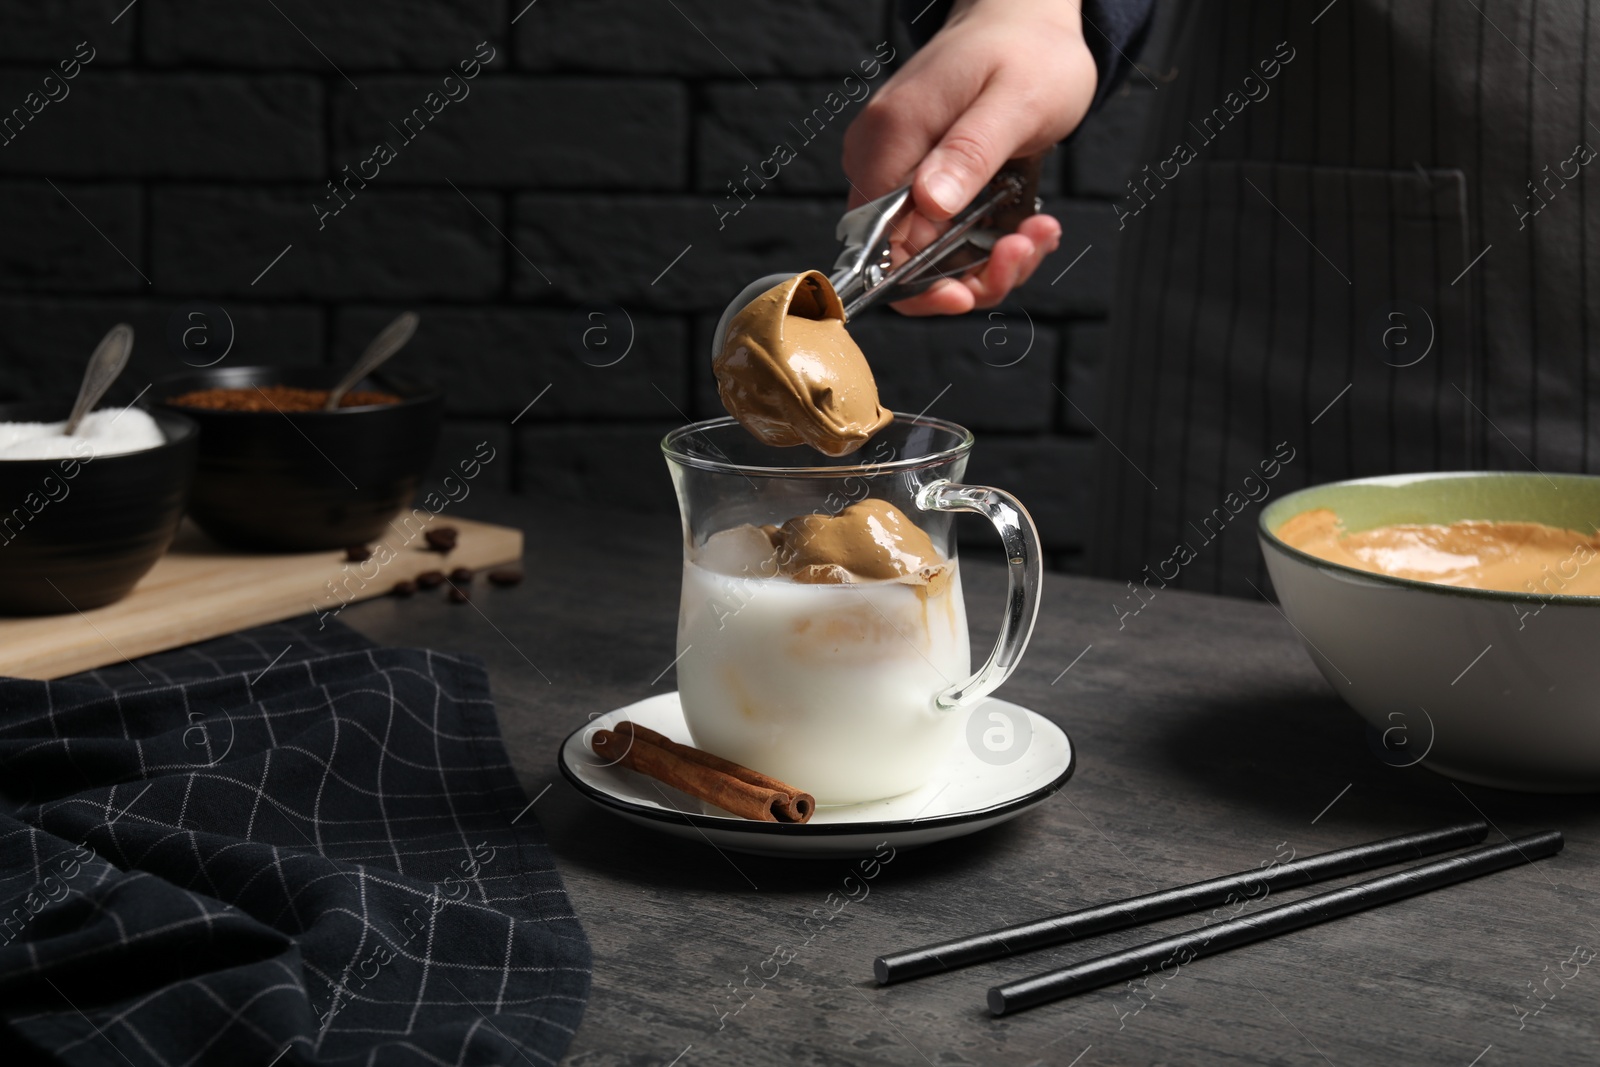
822, 633
84, 517
1458, 613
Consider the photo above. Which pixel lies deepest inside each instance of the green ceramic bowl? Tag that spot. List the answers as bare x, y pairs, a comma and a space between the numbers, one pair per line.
1492, 687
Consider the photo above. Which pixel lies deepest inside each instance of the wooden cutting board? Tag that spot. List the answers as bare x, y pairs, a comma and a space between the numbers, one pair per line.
200, 590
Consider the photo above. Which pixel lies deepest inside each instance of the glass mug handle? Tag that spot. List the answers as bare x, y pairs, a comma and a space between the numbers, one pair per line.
1025, 571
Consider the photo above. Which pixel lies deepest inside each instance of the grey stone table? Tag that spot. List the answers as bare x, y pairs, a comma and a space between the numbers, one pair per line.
1207, 743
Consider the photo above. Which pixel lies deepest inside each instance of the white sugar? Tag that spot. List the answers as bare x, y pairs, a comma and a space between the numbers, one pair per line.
107, 432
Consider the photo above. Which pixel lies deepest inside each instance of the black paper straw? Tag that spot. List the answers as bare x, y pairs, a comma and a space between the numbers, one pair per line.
1135, 911
1183, 949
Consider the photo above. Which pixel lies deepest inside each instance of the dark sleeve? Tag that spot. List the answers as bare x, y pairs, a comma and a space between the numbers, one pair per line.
1113, 30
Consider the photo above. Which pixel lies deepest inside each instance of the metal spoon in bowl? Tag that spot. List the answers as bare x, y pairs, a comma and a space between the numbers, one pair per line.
110, 356
387, 343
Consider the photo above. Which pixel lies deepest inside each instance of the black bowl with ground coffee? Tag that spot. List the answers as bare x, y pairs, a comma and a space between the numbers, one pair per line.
277, 473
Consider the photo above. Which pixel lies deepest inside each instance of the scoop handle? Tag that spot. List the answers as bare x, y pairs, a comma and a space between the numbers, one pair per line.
863, 273
1025, 571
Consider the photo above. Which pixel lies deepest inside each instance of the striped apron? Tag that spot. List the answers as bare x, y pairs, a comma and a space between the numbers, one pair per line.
1357, 243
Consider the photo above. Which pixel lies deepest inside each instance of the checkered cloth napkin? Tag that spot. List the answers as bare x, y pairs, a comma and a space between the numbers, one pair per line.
286, 846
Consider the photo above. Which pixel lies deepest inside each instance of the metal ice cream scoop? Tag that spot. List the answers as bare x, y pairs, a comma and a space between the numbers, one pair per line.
864, 275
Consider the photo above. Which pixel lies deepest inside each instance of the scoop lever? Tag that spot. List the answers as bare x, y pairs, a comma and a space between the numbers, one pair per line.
864, 273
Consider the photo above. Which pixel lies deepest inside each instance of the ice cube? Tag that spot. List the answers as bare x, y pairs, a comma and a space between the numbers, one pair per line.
742, 552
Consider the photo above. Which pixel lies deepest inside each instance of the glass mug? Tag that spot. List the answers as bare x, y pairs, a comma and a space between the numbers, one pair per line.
851, 692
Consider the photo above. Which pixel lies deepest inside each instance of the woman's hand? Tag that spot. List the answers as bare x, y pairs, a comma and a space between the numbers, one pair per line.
1003, 78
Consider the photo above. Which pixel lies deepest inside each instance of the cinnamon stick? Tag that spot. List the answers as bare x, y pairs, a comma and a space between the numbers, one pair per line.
799, 805
711, 784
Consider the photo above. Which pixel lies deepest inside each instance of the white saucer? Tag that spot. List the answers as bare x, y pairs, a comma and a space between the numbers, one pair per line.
970, 793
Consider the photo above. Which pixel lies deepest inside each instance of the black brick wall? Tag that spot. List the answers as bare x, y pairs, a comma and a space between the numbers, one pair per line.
579, 180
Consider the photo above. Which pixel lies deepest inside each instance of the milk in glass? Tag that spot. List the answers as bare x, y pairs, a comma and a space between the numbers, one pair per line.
830, 686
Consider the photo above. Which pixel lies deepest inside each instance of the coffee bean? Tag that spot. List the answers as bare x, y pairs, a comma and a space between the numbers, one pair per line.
458, 595
505, 576
430, 579
462, 575
357, 554
404, 588
442, 539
